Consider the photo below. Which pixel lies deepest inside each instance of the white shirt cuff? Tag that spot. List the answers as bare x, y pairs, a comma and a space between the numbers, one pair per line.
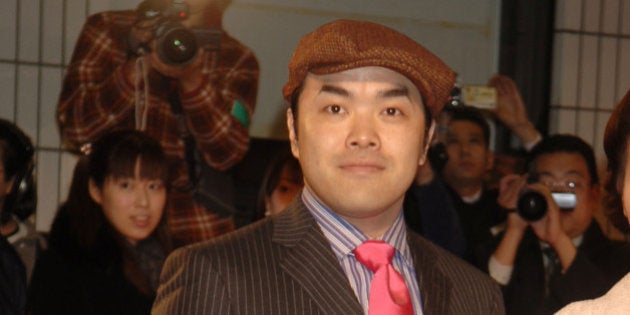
530, 145
499, 272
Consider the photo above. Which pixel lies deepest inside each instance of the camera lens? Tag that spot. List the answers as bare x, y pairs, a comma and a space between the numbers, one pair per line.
176, 44
532, 206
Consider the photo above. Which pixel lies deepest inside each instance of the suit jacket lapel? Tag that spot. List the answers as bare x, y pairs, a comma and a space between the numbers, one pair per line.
435, 287
311, 262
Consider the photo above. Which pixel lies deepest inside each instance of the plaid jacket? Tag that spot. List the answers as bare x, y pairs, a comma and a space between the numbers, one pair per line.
98, 97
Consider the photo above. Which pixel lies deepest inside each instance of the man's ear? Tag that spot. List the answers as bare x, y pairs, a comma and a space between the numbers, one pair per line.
595, 194
9, 186
428, 139
95, 192
292, 134
489, 160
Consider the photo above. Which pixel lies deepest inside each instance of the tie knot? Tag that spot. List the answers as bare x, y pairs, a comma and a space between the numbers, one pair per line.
374, 254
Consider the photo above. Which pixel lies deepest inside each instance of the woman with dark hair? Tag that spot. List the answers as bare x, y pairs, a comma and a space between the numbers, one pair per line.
617, 148
109, 239
282, 181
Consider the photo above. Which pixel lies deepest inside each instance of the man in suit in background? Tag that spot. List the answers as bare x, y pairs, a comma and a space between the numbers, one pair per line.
363, 98
547, 261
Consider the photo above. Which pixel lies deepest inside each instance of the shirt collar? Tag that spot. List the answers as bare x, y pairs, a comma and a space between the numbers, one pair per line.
473, 198
344, 237
577, 241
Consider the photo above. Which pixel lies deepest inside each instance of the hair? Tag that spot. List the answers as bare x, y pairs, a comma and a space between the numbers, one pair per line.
563, 143
616, 139
271, 179
473, 115
16, 156
81, 230
16, 149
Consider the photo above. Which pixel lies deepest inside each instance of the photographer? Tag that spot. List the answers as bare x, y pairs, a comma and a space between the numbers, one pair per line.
457, 179
563, 256
198, 108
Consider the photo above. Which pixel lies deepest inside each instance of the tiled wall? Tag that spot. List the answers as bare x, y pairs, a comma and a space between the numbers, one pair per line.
38, 37
591, 66
591, 71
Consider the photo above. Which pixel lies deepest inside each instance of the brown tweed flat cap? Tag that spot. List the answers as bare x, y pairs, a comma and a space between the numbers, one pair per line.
342, 45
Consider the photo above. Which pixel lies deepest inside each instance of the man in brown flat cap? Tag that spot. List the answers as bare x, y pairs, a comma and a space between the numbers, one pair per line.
363, 98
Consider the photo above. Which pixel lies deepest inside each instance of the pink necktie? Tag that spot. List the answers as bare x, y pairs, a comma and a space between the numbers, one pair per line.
388, 291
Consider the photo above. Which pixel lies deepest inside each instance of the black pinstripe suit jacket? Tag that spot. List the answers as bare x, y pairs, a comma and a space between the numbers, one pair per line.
285, 265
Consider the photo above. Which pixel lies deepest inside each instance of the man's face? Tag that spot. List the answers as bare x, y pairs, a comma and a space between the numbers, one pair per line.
557, 170
359, 138
468, 155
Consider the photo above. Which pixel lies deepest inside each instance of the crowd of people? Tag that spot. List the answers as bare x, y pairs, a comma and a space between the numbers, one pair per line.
381, 205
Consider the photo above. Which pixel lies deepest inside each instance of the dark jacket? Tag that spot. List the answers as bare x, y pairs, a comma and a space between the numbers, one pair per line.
429, 211
599, 264
70, 280
438, 213
12, 280
478, 221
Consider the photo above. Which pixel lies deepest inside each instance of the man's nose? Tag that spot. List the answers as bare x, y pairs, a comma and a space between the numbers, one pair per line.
363, 134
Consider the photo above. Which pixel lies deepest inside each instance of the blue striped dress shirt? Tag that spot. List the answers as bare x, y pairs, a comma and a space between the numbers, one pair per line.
344, 238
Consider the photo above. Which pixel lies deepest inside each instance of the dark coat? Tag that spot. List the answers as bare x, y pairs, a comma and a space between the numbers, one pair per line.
438, 213
429, 211
68, 280
598, 265
12, 280
285, 265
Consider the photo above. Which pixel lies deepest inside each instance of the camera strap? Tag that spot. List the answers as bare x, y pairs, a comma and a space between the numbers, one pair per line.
210, 187
187, 137
141, 99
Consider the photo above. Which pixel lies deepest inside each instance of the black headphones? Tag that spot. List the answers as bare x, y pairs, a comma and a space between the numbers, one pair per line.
22, 198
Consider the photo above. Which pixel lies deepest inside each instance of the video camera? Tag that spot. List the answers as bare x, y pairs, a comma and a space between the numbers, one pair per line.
175, 44
532, 205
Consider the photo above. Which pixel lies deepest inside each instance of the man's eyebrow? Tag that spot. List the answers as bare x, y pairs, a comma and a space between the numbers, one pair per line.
568, 173
327, 88
400, 91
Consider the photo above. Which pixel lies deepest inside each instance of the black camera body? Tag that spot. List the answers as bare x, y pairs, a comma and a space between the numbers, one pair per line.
532, 205
176, 44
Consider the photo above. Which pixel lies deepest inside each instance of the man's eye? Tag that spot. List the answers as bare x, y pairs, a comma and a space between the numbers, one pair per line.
333, 109
392, 111
451, 140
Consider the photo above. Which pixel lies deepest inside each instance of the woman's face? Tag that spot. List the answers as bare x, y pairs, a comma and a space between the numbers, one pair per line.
132, 205
283, 194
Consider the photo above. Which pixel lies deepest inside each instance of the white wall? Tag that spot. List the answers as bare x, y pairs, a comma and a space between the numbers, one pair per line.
462, 33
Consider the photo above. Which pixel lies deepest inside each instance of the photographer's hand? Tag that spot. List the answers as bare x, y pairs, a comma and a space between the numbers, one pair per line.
549, 229
511, 110
510, 187
189, 75
509, 191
